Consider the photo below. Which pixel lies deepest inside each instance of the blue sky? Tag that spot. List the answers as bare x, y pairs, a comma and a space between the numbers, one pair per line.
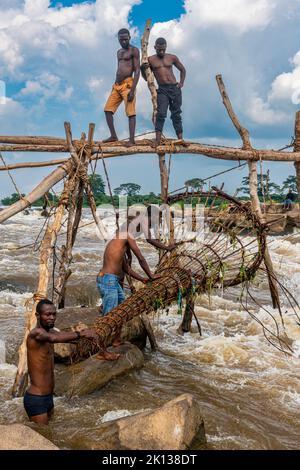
58, 62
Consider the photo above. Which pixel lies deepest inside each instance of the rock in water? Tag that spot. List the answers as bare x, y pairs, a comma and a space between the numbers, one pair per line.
21, 437
177, 425
90, 375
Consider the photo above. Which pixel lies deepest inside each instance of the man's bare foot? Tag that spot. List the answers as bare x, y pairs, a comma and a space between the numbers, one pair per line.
107, 356
128, 143
110, 139
182, 142
154, 144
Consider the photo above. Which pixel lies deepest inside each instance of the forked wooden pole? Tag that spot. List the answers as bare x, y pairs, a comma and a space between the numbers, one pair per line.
253, 186
297, 149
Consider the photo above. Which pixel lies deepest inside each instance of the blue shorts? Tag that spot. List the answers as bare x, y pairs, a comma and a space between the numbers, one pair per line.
36, 405
111, 292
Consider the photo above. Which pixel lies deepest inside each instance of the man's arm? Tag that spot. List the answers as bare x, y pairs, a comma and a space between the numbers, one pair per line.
161, 245
144, 67
182, 70
137, 72
128, 270
143, 263
39, 334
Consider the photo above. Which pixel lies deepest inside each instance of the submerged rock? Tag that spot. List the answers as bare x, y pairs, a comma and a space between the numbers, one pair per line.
80, 318
177, 425
21, 437
92, 374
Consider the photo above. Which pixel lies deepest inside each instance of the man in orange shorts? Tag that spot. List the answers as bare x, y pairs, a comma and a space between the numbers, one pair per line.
124, 87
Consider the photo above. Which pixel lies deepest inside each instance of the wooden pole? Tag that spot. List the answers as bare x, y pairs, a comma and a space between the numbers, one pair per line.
253, 186
66, 250
227, 103
148, 71
297, 149
38, 192
192, 148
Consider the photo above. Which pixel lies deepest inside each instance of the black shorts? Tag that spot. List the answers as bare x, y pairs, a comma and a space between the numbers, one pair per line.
38, 404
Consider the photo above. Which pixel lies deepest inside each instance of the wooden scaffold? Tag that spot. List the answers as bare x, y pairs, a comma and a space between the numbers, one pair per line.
176, 275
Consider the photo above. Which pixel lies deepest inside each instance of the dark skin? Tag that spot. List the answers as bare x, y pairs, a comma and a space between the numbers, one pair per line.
40, 354
128, 64
114, 263
161, 65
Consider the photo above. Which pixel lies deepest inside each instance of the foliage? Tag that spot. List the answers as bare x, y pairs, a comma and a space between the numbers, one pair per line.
129, 189
195, 183
97, 185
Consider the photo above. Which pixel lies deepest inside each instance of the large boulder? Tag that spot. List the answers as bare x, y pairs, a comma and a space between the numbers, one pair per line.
92, 374
21, 437
76, 319
177, 425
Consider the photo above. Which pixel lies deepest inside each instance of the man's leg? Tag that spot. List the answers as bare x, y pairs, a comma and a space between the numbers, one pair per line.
110, 122
121, 297
175, 108
132, 125
40, 419
109, 302
162, 109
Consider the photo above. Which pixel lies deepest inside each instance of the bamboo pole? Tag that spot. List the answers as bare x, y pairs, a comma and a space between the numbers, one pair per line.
148, 71
297, 149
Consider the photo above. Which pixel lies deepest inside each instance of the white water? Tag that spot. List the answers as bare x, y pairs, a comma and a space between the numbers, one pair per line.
249, 391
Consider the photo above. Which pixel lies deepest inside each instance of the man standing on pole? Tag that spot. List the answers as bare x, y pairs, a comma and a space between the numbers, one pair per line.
169, 90
124, 88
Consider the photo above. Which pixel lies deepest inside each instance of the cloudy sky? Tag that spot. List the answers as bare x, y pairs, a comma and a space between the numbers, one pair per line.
57, 59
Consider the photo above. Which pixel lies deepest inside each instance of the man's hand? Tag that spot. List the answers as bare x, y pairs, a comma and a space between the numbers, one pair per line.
155, 276
89, 334
130, 96
145, 65
171, 247
179, 85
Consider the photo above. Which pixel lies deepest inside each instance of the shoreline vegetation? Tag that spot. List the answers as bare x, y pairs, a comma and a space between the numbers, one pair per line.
268, 192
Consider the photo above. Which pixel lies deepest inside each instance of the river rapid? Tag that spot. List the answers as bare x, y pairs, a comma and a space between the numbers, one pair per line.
248, 391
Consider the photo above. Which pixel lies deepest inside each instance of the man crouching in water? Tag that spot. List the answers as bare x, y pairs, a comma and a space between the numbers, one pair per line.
38, 399
115, 267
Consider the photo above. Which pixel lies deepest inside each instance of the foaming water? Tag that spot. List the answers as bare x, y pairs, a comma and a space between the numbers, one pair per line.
249, 392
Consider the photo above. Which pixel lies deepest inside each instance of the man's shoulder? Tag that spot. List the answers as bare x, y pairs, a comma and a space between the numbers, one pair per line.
135, 50
34, 332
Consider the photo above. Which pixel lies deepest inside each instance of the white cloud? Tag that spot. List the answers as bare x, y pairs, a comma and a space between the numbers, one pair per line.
241, 14
48, 86
262, 113
286, 86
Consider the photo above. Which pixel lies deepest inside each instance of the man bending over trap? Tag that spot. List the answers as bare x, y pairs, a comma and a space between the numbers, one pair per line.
115, 266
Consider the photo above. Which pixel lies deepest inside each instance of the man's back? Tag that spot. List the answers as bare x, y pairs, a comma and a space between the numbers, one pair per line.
114, 256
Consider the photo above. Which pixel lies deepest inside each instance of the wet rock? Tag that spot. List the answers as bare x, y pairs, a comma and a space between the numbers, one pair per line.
21, 437
77, 319
177, 425
92, 374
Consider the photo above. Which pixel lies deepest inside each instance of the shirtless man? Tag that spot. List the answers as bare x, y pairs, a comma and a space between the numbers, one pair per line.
38, 399
169, 90
117, 263
124, 87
